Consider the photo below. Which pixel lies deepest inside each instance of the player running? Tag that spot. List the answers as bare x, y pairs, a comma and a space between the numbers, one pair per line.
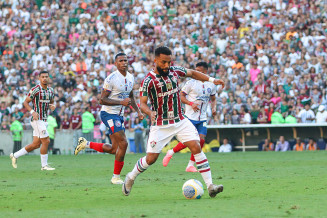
195, 95
42, 98
160, 86
117, 93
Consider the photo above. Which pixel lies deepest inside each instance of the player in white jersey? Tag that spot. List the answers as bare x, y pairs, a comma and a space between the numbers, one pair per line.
196, 95
117, 93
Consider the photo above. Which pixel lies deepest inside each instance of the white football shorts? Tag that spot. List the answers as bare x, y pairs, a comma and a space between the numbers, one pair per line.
160, 136
40, 128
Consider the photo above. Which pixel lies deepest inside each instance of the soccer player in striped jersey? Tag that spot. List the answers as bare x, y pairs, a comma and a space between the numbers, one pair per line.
160, 86
195, 95
117, 94
42, 98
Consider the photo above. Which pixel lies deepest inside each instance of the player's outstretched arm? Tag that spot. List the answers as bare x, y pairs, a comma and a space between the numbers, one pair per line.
213, 105
203, 77
104, 100
134, 105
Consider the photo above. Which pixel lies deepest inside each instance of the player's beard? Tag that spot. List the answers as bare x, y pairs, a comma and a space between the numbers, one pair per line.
162, 72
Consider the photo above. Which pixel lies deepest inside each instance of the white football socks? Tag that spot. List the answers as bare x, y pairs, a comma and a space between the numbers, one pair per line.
140, 166
20, 153
44, 159
203, 167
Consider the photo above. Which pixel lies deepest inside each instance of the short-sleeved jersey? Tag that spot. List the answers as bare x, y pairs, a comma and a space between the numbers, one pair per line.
41, 99
163, 93
198, 92
119, 87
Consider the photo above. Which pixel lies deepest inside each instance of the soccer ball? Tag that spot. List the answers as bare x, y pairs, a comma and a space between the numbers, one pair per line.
192, 189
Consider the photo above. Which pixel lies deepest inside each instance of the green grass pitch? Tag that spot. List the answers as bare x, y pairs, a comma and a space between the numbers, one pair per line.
256, 184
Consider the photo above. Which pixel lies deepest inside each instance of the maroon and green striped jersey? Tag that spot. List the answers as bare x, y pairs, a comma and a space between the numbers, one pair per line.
41, 99
163, 93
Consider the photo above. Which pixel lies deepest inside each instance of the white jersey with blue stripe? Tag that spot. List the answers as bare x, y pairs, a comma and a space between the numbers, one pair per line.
198, 92
119, 87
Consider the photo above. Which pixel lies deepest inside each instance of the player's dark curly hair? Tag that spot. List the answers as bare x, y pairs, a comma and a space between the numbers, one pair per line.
162, 50
202, 64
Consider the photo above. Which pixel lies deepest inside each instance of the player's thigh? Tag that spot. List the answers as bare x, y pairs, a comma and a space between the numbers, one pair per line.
186, 132
159, 137
119, 138
36, 141
45, 141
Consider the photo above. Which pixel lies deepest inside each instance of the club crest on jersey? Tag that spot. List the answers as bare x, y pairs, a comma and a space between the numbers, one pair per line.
153, 143
118, 123
169, 85
209, 90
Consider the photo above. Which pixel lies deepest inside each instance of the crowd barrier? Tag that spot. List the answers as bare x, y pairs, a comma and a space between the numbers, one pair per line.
242, 137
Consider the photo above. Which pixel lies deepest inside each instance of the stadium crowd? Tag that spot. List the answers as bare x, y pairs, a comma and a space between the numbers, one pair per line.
271, 53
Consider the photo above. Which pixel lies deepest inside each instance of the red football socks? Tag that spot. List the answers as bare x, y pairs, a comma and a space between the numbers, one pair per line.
180, 146
118, 167
96, 146
201, 144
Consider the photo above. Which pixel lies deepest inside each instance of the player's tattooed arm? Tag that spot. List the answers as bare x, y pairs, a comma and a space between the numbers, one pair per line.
203, 77
104, 100
28, 107
134, 105
145, 108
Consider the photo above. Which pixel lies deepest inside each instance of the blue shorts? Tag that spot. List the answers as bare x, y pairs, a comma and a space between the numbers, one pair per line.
113, 122
201, 126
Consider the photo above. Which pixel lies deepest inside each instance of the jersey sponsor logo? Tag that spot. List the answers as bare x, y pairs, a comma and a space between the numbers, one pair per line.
45, 101
153, 143
118, 123
168, 93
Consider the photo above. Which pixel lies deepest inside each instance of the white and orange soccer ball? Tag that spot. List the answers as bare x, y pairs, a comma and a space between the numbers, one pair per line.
193, 189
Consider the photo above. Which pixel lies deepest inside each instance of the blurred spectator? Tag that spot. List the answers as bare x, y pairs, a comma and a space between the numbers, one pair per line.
138, 129
52, 125
225, 147
268, 145
75, 120
88, 124
312, 145
65, 124
299, 146
306, 115
321, 116
16, 129
282, 145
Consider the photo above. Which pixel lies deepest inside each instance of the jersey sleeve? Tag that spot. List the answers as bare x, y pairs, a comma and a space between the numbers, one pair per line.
107, 85
145, 87
32, 93
187, 88
181, 71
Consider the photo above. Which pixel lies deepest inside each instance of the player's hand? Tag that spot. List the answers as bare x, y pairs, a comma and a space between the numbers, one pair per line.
140, 115
52, 107
153, 117
35, 115
219, 82
126, 102
195, 107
